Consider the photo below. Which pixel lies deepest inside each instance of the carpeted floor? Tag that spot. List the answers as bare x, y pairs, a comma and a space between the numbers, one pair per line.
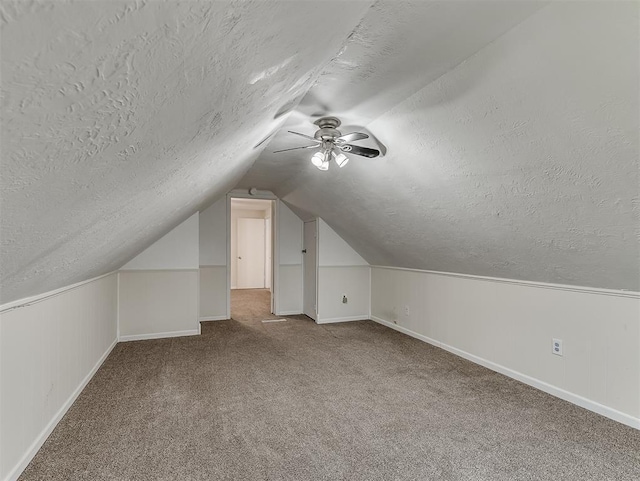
292, 400
251, 305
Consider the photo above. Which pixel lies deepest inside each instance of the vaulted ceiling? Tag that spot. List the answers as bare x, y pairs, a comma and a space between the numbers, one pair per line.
511, 128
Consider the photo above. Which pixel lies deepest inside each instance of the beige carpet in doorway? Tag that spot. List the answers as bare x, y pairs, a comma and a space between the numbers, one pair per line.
251, 305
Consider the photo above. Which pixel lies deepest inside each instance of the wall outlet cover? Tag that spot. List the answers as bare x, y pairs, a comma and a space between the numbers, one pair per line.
556, 347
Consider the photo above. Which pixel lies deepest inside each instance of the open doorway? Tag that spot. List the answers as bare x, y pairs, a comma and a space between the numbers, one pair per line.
251, 256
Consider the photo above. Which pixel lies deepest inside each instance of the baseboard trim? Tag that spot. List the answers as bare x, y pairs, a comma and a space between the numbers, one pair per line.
531, 381
333, 320
17, 470
214, 318
289, 313
406, 331
159, 335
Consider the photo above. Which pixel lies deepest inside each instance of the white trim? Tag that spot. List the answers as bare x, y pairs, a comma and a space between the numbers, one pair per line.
317, 299
17, 470
406, 331
333, 320
198, 296
27, 301
345, 265
275, 257
117, 305
148, 271
540, 285
531, 381
370, 290
213, 318
160, 335
289, 313
227, 221
244, 194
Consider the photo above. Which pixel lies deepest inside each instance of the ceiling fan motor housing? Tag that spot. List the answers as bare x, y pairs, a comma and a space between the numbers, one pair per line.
328, 134
328, 122
328, 128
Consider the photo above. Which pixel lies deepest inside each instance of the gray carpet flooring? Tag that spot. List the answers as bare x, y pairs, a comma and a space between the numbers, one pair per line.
292, 400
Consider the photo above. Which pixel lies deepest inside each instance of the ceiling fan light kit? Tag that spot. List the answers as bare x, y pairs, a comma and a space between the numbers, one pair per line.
333, 144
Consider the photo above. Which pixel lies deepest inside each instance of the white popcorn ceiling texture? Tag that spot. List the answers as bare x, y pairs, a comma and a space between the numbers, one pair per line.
512, 130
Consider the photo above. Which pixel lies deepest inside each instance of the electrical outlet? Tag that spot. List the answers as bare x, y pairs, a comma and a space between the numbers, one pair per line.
344, 298
406, 311
557, 347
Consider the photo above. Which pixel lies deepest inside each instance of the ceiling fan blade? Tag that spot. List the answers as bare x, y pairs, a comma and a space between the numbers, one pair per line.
363, 151
305, 136
352, 137
297, 148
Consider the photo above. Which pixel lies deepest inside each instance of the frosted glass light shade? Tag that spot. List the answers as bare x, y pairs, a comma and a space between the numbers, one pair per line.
340, 159
317, 159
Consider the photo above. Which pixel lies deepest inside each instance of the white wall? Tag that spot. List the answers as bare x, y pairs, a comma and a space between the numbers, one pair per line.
213, 293
213, 261
341, 272
290, 278
179, 249
334, 251
49, 350
159, 289
508, 326
159, 303
213, 234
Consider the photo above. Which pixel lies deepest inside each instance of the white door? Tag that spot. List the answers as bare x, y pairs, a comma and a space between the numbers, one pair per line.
310, 269
250, 251
267, 253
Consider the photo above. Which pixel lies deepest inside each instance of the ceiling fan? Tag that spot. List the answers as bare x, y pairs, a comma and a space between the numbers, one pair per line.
333, 144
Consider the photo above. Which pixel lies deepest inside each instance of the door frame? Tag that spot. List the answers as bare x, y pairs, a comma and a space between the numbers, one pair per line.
260, 195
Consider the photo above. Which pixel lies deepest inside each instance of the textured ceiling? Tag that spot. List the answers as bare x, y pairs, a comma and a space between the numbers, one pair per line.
517, 156
512, 130
121, 119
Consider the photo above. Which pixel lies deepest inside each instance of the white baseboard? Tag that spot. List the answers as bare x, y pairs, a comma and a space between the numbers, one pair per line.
289, 313
406, 331
531, 381
159, 335
333, 320
15, 473
214, 318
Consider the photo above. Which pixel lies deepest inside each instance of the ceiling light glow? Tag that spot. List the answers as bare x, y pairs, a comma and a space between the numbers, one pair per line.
318, 159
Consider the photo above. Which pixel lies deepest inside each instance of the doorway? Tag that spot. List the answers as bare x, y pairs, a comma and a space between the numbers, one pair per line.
251, 256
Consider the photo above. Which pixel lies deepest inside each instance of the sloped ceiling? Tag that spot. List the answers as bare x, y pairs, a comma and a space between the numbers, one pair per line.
512, 130
517, 156
120, 119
